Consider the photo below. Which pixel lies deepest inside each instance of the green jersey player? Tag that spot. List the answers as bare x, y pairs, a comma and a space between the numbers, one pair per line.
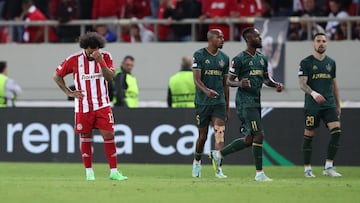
210, 69
317, 77
248, 72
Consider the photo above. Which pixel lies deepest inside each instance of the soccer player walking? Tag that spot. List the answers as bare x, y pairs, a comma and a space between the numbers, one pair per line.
317, 77
210, 70
248, 72
92, 69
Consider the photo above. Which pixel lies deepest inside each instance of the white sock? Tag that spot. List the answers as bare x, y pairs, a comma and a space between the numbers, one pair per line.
307, 168
89, 170
329, 164
113, 170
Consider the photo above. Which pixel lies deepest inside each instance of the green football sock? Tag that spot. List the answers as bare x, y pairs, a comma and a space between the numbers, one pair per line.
334, 143
236, 145
257, 151
307, 149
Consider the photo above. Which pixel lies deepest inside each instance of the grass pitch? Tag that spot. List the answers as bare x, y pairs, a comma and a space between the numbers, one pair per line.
64, 182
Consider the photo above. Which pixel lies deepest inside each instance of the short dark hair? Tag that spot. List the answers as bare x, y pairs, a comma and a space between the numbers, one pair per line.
92, 40
129, 57
247, 31
2, 66
319, 34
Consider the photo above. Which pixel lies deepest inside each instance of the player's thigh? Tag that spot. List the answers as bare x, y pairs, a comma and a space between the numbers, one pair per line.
104, 119
311, 119
84, 122
331, 118
203, 115
218, 114
252, 121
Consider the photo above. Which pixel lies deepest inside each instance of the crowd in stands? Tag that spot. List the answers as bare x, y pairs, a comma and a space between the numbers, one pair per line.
63, 11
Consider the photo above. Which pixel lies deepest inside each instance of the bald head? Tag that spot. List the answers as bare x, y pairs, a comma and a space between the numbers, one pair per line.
186, 62
213, 32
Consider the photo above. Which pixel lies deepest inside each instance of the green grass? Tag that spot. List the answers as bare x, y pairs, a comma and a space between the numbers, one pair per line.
63, 182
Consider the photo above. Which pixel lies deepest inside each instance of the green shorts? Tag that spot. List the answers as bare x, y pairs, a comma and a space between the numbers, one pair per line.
312, 117
251, 120
204, 113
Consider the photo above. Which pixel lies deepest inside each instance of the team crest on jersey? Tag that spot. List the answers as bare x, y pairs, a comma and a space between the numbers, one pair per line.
262, 62
315, 67
207, 61
251, 63
328, 67
79, 126
221, 63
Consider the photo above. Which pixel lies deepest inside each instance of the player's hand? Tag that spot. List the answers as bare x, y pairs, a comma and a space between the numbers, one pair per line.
97, 56
279, 87
212, 93
317, 97
244, 83
76, 94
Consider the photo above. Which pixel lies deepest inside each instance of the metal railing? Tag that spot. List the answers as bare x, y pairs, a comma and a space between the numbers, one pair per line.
118, 23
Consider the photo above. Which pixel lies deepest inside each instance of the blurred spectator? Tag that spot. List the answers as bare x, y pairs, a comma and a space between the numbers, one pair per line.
12, 11
249, 8
140, 34
4, 35
312, 8
181, 88
354, 8
2, 4
86, 12
43, 6
220, 10
109, 9
299, 31
65, 11
341, 32
282, 8
337, 11
154, 5
104, 31
9, 89
35, 34
356, 31
164, 12
184, 9
137, 8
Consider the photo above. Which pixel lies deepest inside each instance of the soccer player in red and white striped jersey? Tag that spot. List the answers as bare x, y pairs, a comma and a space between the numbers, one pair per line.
92, 69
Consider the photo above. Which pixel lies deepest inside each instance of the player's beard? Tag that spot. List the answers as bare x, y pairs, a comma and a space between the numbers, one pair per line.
320, 50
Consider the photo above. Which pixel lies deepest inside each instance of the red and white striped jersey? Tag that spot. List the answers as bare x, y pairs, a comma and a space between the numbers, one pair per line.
88, 78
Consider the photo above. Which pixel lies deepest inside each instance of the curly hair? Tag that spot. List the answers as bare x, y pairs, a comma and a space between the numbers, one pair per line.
92, 40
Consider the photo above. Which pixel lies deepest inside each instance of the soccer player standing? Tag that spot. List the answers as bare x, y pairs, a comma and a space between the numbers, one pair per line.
248, 72
210, 70
92, 69
317, 78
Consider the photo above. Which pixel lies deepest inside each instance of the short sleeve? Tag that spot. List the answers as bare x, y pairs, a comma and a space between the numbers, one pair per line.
196, 61
302, 69
66, 67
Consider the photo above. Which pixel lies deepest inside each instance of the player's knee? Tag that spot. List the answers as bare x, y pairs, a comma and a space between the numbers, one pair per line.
248, 140
258, 139
219, 133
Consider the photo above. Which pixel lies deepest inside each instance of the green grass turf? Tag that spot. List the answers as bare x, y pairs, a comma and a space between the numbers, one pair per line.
151, 183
